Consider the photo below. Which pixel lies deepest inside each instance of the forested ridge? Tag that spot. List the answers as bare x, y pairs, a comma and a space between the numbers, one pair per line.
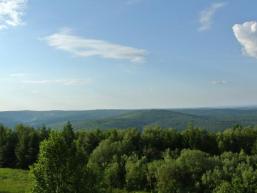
207, 118
154, 160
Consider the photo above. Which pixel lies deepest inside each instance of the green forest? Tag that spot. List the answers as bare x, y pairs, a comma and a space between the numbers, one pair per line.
155, 160
208, 118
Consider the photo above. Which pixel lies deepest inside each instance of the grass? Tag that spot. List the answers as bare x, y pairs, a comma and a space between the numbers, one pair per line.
14, 181
18, 181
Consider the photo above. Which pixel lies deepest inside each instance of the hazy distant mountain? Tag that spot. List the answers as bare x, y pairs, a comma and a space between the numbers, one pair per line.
39, 118
215, 119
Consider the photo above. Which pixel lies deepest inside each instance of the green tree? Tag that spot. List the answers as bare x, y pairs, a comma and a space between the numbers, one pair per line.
61, 168
7, 146
27, 146
183, 174
136, 173
89, 140
195, 138
156, 140
237, 139
68, 133
114, 174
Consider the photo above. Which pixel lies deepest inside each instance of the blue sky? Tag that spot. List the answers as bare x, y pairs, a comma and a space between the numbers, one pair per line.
95, 54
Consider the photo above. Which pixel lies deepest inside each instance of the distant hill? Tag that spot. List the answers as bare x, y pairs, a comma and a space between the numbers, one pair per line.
39, 118
213, 119
142, 118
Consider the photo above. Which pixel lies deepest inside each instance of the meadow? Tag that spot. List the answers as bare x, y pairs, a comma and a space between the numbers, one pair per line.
14, 181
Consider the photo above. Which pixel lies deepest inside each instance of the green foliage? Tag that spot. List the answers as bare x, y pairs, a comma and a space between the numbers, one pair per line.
61, 167
184, 173
19, 147
236, 139
88, 141
254, 148
212, 119
27, 146
200, 139
136, 170
156, 140
128, 161
8, 142
114, 172
234, 173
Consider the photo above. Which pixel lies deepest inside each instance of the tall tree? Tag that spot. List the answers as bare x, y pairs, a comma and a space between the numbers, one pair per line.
27, 146
7, 145
61, 167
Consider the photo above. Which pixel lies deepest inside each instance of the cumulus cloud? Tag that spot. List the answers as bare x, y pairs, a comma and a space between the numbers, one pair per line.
85, 47
219, 82
207, 15
246, 35
65, 82
11, 12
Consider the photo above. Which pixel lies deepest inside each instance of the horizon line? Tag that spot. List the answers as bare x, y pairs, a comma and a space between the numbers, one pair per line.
135, 109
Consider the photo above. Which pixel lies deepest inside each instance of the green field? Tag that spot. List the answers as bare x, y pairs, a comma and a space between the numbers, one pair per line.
14, 181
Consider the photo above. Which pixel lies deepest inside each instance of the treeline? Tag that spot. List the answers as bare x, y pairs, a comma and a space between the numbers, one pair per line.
120, 161
19, 147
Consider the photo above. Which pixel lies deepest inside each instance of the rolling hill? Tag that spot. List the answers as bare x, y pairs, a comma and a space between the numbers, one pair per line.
214, 119
39, 118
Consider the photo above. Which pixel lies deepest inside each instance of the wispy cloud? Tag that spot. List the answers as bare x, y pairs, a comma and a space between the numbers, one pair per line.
85, 47
65, 82
207, 15
246, 35
11, 12
219, 82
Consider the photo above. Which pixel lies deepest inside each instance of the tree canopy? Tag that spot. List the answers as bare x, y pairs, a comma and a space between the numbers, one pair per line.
154, 160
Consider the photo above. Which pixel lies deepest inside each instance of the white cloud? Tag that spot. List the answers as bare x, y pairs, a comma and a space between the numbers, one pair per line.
219, 82
65, 82
246, 35
84, 47
11, 12
206, 16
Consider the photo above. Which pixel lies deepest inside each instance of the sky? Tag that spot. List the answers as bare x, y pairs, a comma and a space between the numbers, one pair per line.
127, 54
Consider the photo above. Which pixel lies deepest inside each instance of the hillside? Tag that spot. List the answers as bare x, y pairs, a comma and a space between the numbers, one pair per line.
48, 118
214, 119
142, 118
